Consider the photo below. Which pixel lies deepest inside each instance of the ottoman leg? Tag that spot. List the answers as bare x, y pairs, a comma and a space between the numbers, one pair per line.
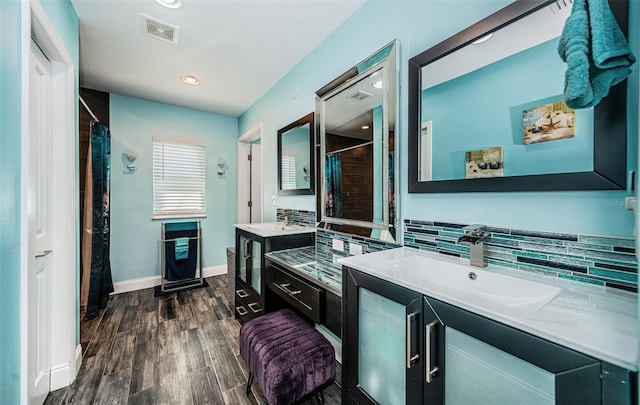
320, 397
249, 382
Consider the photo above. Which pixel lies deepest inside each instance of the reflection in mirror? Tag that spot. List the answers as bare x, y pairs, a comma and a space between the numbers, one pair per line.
357, 126
295, 157
490, 107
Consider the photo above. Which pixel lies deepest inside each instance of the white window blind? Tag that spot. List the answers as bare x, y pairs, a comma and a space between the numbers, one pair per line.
288, 172
178, 177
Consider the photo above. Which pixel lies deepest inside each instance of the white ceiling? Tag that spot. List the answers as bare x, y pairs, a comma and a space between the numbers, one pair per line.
238, 49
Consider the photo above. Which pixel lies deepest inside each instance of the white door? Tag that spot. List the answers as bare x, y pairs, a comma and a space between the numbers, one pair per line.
256, 182
250, 198
39, 222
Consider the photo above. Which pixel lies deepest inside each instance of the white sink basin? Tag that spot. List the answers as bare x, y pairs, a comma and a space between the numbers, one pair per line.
486, 285
266, 229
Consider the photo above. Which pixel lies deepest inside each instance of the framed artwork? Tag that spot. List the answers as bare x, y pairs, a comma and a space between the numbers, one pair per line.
548, 122
487, 162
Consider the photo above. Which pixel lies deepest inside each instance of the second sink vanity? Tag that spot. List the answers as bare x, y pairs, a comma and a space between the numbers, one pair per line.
451, 330
299, 278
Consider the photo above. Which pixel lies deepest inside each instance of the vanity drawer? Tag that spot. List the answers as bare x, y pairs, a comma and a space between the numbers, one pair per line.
247, 305
303, 296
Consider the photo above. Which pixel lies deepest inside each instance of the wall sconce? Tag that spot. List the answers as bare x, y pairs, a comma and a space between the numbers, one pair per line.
128, 157
222, 166
305, 169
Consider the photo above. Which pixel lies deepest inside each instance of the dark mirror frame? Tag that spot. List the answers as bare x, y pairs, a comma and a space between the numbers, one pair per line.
307, 119
610, 120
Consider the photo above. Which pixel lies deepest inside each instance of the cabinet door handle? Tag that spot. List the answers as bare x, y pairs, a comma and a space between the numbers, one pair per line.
247, 252
410, 359
242, 293
43, 253
242, 311
288, 291
255, 307
429, 371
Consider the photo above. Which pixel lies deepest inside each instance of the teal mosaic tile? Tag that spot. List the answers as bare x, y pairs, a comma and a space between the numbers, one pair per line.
530, 254
600, 260
298, 217
612, 241
590, 246
614, 275
619, 257
581, 279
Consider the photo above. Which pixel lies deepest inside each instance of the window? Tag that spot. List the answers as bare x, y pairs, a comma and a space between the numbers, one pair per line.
178, 177
288, 172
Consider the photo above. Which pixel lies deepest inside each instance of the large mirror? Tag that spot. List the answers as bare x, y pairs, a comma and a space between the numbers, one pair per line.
486, 110
296, 169
357, 119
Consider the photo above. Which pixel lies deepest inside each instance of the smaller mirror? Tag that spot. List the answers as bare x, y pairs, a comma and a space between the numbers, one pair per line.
295, 157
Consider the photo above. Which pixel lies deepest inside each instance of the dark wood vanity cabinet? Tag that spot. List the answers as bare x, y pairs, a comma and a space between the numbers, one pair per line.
287, 289
250, 266
403, 347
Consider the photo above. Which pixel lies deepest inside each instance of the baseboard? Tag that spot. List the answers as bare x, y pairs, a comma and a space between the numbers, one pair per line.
60, 376
78, 361
150, 282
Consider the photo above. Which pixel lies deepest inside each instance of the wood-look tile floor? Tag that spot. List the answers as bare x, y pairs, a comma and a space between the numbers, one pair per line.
179, 349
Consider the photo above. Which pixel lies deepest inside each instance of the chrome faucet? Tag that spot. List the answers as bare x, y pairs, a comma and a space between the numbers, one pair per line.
287, 221
474, 237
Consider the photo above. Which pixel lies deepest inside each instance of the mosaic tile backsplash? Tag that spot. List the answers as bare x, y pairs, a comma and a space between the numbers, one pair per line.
601, 260
324, 242
298, 217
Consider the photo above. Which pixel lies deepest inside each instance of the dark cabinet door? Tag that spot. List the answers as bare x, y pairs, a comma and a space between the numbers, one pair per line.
382, 334
482, 361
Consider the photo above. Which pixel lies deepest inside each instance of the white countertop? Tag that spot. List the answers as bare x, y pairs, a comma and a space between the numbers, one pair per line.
598, 321
271, 229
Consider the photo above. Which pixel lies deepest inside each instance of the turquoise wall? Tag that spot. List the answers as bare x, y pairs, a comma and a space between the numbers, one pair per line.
10, 77
65, 21
489, 113
135, 236
418, 25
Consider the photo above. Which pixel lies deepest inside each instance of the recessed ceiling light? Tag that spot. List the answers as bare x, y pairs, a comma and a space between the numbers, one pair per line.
482, 39
377, 84
364, 127
172, 4
190, 80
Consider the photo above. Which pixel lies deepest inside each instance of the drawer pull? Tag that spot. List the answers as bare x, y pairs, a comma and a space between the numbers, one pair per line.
288, 291
429, 371
242, 311
255, 307
242, 293
304, 304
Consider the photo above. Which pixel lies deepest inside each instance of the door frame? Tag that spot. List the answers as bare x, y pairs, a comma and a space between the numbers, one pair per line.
66, 353
244, 141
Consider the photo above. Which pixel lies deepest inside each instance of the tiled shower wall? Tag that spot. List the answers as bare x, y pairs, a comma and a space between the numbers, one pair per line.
601, 260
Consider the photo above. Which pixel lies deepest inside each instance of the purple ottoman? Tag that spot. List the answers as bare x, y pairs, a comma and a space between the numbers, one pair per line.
287, 357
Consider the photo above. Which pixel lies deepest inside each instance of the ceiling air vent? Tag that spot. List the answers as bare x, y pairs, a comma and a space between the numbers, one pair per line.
160, 29
359, 95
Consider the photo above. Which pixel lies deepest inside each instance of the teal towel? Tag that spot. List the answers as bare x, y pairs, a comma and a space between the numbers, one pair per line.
596, 52
182, 248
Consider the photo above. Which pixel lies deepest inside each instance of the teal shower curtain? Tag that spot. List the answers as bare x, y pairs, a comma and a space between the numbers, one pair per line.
100, 283
333, 176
